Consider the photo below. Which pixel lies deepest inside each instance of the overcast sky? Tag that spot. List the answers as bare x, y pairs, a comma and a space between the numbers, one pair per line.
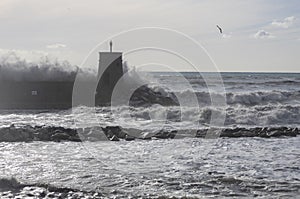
258, 35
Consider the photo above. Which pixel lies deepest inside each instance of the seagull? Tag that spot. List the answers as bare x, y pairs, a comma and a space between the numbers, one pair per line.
220, 29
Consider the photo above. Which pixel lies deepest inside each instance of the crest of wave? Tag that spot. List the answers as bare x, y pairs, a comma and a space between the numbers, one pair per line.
143, 88
14, 68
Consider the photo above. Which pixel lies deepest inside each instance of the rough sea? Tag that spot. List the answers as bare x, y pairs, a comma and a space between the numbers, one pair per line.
185, 166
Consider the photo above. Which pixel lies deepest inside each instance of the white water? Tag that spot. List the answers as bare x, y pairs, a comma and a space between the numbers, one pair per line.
241, 167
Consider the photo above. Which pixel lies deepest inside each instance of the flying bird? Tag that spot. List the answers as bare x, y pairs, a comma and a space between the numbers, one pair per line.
220, 29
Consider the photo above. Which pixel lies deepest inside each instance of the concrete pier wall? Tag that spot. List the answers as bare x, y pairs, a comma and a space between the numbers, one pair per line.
35, 95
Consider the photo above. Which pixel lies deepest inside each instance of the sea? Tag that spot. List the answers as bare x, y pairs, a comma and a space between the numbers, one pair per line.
183, 167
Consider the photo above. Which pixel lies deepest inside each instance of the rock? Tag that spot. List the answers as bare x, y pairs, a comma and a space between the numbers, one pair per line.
275, 133
117, 131
253, 132
201, 133
165, 134
295, 131
129, 138
95, 134
145, 96
51, 195
42, 134
59, 136
114, 138
30, 195
9, 184
74, 139
133, 132
13, 134
238, 132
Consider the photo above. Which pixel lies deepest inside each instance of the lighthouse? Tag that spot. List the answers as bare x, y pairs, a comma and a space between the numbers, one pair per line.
110, 70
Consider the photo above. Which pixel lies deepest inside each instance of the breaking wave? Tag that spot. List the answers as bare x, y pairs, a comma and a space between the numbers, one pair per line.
12, 188
156, 116
210, 180
13, 68
247, 98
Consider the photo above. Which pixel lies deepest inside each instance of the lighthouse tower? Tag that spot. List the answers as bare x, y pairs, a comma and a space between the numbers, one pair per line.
110, 70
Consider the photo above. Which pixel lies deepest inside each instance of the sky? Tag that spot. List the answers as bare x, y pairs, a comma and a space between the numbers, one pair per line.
258, 35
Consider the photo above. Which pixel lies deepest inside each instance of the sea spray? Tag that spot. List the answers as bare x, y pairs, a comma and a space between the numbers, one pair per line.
14, 68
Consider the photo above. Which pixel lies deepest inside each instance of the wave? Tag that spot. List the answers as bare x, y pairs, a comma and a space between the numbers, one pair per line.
12, 188
245, 98
13, 68
179, 117
272, 82
152, 117
116, 133
245, 79
266, 115
232, 186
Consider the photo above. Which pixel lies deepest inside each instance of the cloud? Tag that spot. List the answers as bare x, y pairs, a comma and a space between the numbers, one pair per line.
261, 34
56, 46
286, 23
